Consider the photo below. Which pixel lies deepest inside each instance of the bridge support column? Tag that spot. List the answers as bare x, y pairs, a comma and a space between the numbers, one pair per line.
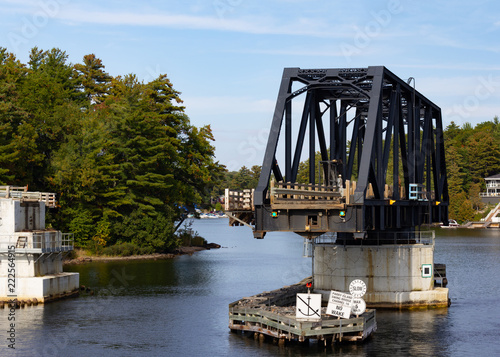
397, 276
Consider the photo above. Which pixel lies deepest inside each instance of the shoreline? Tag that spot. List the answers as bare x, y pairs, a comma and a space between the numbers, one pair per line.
84, 258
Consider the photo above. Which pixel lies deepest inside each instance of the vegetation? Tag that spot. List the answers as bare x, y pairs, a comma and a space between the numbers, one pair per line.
471, 155
121, 154
244, 178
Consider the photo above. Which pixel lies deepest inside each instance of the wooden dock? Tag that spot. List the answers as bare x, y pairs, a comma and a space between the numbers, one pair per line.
273, 314
492, 220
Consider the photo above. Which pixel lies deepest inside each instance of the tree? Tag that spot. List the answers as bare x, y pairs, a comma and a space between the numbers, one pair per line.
18, 149
94, 80
303, 171
472, 153
50, 96
475, 198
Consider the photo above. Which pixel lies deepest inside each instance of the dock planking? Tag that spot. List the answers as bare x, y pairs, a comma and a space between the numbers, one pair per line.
273, 314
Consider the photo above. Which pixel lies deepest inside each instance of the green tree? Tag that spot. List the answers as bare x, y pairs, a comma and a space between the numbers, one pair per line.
50, 96
472, 153
18, 148
94, 80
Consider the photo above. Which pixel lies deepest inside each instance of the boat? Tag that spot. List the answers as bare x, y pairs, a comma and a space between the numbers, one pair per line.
212, 215
451, 224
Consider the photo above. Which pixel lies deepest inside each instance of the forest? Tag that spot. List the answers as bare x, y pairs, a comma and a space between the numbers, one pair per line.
120, 154
472, 153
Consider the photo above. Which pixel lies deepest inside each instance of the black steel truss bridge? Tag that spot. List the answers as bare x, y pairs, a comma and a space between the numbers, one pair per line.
374, 153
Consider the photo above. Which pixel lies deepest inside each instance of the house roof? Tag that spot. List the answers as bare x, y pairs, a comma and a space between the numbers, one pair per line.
497, 176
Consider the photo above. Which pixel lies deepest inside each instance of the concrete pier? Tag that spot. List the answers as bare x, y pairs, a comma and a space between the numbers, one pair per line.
396, 276
31, 255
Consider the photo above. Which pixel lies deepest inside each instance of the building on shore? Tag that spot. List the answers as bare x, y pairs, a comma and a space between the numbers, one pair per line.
492, 194
31, 255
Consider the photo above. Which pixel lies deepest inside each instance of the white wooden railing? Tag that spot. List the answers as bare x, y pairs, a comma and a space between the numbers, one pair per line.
236, 200
22, 193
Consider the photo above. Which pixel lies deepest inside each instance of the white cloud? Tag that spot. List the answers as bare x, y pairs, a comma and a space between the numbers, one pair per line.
250, 25
297, 52
451, 66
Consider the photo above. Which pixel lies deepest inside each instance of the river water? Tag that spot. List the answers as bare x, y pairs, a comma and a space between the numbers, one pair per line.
179, 307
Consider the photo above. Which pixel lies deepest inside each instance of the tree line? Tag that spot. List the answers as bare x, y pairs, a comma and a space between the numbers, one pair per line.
120, 153
472, 153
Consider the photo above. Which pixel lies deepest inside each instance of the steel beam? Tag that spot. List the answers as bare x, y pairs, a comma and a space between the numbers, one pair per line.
389, 123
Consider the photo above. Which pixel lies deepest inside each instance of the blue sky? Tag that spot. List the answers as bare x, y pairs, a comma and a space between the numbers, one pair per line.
226, 57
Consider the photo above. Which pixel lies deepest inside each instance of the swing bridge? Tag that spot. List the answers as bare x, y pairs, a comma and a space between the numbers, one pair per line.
374, 174
375, 155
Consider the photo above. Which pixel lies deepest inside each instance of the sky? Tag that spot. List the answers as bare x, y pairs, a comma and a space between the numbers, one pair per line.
226, 57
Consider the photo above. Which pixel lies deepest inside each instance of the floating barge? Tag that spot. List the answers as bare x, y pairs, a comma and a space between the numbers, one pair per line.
273, 314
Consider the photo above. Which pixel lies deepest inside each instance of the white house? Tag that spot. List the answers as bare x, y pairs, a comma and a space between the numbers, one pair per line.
492, 194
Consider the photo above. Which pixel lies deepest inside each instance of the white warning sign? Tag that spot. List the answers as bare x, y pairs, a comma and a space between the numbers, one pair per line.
337, 297
357, 288
308, 307
359, 306
339, 304
338, 310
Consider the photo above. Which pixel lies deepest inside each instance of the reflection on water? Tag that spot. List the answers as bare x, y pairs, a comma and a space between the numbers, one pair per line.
180, 306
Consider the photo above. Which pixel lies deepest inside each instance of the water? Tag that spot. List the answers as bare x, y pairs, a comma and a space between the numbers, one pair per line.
180, 306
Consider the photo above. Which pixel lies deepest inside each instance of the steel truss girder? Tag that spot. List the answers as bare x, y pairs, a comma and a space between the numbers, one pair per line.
369, 116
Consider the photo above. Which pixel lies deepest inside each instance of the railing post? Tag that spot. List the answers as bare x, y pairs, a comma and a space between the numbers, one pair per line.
272, 191
226, 200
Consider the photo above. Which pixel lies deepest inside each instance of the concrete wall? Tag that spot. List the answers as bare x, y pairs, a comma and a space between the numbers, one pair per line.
383, 268
16, 216
490, 200
7, 214
37, 276
43, 288
25, 265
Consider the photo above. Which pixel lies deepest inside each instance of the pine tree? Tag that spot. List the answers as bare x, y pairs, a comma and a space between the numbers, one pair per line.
18, 149
94, 80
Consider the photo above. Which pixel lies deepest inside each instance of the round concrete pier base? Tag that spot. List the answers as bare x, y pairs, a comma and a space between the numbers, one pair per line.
396, 276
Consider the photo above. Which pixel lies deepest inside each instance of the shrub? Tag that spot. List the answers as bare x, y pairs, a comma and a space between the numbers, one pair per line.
127, 249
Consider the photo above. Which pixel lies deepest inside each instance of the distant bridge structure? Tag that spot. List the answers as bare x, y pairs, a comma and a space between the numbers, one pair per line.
381, 171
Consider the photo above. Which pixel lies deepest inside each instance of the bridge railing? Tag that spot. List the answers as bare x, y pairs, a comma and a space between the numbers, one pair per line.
282, 192
489, 194
238, 200
37, 242
22, 193
417, 237
421, 237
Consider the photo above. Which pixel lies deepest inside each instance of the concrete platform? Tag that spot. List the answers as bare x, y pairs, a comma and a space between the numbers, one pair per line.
44, 288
